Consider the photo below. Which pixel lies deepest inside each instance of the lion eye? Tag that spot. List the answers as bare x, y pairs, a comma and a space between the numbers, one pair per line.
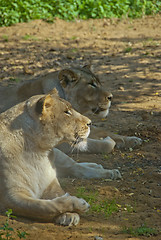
68, 112
93, 85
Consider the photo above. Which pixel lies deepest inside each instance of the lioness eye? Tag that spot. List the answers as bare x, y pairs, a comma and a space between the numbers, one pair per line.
68, 112
93, 85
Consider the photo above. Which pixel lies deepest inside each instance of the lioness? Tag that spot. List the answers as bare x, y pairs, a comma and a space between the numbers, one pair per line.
79, 86
28, 133
84, 91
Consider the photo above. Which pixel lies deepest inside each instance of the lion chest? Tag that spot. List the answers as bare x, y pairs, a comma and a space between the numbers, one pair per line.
34, 173
42, 174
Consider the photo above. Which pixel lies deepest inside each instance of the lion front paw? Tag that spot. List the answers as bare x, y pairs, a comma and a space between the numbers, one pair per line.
129, 142
68, 219
115, 174
132, 142
80, 205
112, 174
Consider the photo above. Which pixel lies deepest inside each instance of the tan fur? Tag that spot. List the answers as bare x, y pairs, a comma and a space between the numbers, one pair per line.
28, 132
84, 91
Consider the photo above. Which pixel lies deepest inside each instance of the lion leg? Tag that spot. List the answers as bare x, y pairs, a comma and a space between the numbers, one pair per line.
66, 166
125, 141
105, 145
25, 205
65, 219
121, 141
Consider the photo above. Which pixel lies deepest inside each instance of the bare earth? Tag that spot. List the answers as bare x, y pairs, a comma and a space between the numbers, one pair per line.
127, 57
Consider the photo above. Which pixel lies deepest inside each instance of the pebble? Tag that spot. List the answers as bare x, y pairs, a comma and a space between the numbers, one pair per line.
98, 238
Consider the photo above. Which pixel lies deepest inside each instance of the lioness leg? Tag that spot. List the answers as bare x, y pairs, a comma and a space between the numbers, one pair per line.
65, 219
26, 205
125, 141
93, 146
66, 166
121, 141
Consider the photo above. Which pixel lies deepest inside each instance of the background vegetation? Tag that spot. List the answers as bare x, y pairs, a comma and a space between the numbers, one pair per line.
14, 11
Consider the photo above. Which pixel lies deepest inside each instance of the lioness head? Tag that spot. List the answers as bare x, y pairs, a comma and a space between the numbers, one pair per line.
57, 121
84, 91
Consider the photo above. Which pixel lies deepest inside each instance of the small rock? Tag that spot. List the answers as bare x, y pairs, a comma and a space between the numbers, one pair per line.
121, 88
98, 238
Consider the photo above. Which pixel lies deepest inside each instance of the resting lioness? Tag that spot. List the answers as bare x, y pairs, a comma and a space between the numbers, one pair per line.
28, 182
79, 86
83, 89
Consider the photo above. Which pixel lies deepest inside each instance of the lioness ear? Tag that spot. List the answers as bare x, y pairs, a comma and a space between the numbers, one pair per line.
88, 67
54, 92
43, 104
67, 76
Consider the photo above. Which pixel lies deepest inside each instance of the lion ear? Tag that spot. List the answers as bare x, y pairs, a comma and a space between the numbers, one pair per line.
67, 76
43, 104
54, 92
88, 67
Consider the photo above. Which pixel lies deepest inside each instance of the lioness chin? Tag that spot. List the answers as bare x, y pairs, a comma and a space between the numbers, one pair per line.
28, 132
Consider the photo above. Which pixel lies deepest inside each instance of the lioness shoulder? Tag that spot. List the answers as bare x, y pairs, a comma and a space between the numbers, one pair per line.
28, 132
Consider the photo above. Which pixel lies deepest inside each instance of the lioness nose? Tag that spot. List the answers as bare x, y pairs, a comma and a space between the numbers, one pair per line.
89, 123
110, 97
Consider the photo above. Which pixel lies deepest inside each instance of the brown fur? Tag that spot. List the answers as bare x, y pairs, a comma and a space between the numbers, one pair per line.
28, 132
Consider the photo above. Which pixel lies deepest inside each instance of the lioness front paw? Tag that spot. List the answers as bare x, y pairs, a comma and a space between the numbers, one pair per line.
80, 205
112, 174
68, 219
129, 142
133, 142
115, 174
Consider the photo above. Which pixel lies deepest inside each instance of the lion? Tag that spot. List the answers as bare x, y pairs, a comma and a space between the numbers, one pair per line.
83, 89
28, 133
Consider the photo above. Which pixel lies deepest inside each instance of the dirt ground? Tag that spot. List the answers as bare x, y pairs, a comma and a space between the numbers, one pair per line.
126, 55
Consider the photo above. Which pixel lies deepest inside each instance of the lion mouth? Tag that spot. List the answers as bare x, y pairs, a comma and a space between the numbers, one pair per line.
80, 144
98, 110
77, 141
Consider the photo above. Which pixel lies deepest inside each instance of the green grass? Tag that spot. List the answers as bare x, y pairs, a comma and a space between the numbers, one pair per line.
12, 79
140, 231
7, 232
106, 206
128, 49
5, 38
29, 37
14, 11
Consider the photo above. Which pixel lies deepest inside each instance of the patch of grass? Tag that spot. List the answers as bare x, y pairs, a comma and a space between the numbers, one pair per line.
106, 206
7, 232
140, 231
128, 49
12, 79
73, 37
5, 38
29, 37
74, 50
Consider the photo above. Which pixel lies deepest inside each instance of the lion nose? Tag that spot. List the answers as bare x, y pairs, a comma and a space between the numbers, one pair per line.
89, 124
109, 97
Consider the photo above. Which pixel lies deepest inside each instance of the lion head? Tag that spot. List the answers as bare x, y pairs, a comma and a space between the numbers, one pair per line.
84, 91
57, 121
78, 85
